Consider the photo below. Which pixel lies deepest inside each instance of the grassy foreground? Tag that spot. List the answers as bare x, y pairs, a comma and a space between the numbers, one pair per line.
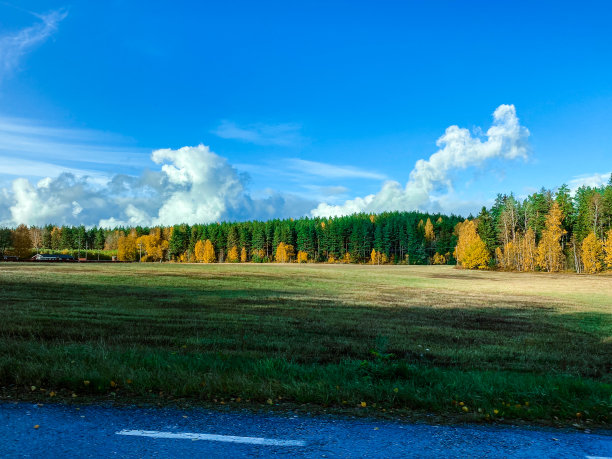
479, 345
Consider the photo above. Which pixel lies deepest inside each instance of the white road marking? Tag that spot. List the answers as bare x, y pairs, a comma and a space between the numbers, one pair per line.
212, 437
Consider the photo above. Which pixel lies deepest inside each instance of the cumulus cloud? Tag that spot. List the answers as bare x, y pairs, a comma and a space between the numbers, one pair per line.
431, 180
14, 46
193, 185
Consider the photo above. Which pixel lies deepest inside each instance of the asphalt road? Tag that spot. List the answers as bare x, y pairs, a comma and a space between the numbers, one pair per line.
94, 431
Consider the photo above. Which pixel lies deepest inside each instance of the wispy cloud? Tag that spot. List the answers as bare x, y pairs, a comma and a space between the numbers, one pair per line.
13, 46
326, 170
30, 140
283, 135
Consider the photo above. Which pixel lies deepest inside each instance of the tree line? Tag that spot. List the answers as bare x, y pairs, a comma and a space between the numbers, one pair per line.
390, 237
547, 231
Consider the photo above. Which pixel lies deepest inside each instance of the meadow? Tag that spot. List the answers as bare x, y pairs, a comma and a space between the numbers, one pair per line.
378, 340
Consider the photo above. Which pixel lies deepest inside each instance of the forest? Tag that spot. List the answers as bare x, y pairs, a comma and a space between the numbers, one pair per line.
549, 230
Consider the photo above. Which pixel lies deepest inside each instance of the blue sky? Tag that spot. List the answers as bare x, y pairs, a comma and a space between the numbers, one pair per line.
306, 107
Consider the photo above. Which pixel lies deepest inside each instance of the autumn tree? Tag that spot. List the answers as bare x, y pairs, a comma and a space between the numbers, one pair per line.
244, 257
550, 253
127, 248
22, 243
302, 257
208, 255
439, 259
471, 252
592, 254
153, 246
232, 255
429, 231
608, 249
284, 253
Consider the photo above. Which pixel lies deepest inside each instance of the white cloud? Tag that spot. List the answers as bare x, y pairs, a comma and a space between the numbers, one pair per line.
194, 185
283, 135
592, 180
14, 46
459, 149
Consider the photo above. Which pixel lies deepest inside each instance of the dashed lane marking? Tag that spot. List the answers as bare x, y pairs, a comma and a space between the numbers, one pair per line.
212, 437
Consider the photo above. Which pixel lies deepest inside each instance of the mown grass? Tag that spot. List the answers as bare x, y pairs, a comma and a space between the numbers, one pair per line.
402, 338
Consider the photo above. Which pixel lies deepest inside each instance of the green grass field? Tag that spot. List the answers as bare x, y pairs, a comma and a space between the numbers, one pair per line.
403, 340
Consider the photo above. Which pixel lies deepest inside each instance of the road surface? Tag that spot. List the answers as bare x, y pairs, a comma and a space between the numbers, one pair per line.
94, 431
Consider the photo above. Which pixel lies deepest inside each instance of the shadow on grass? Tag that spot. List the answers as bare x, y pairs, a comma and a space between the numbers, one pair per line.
259, 343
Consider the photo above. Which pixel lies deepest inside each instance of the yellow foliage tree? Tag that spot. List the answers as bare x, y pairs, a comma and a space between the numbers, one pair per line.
127, 249
284, 253
346, 258
592, 254
429, 231
373, 257
22, 243
232, 255
439, 259
243, 255
198, 251
471, 251
209, 252
302, 257
153, 246
608, 249
550, 252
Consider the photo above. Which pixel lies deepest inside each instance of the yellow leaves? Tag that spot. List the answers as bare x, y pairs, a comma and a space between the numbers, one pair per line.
378, 258
465, 409
496, 412
519, 255
550, 253
608, 249
37, 426
127, 248
86, 383
592, 254
363, 404
284, 253
243, 255
439, 259
113, 384
471, 251
429, 231
204, 252
152, 247
232, 255
396, 390
269, 401
302, 257
52, 394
